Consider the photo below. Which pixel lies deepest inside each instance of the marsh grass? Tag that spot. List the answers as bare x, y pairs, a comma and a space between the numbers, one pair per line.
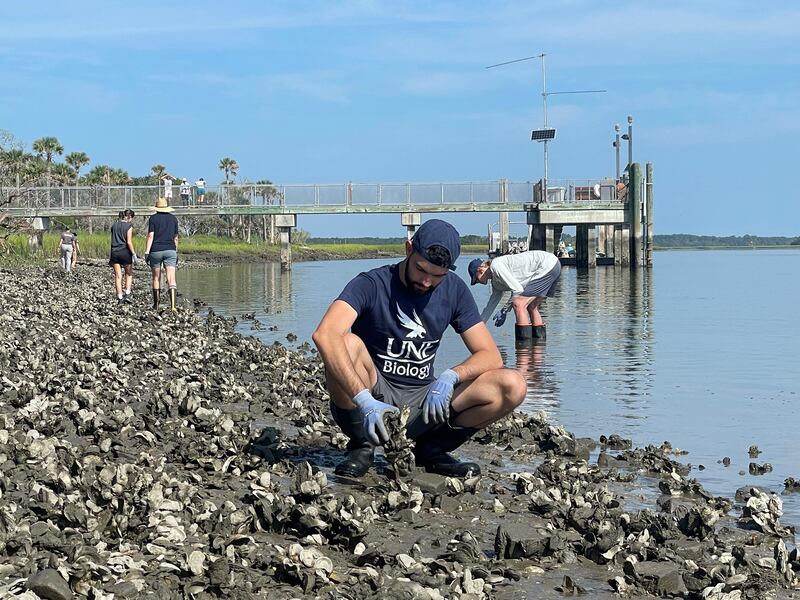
98, 246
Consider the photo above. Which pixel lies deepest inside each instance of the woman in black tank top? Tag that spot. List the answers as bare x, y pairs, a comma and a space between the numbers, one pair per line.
123, 254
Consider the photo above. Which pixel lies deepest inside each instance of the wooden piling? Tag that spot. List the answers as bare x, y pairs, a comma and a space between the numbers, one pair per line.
585, 246
550, 239
285, 223
538, 237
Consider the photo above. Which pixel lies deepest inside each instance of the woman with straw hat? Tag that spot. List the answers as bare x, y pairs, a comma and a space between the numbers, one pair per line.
161, 250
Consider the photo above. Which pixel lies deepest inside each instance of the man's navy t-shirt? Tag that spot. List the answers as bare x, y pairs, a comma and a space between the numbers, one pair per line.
401, 329
165, 228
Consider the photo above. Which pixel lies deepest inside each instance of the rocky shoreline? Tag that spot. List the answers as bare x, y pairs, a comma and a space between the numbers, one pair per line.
164, 455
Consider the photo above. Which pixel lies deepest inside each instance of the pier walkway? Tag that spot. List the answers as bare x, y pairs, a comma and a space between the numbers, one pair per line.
298, 199
616, 221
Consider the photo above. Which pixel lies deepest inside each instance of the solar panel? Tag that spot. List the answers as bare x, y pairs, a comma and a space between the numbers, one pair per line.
540, 135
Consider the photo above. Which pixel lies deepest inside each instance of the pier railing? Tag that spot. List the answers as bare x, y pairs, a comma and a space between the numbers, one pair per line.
319, 196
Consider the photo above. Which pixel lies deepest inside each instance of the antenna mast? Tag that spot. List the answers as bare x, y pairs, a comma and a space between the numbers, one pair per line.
545, 134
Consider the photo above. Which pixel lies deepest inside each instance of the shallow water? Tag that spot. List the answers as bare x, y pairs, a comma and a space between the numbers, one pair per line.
700, 351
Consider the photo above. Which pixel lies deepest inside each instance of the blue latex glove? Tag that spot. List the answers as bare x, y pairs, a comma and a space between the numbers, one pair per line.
147, 258
372, 411
135, 258
436, 405
499, 318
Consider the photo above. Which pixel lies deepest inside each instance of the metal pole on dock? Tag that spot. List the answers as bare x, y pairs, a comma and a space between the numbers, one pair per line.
649, 212
630, 139
635, 208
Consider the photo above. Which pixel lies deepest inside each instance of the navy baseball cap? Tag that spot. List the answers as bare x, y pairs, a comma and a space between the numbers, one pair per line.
436, 232
473, 270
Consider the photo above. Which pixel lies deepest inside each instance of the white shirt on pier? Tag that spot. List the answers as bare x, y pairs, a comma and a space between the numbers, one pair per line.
512, 272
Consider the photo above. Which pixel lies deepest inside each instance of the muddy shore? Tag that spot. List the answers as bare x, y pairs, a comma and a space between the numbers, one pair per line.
164, 455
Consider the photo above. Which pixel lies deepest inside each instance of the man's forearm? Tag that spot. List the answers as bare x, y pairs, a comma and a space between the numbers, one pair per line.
477, 364
339, 369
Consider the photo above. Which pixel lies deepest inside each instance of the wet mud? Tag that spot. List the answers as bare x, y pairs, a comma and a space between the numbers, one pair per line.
163, 455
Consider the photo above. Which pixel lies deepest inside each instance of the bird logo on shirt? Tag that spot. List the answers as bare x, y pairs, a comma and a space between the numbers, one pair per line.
415, 327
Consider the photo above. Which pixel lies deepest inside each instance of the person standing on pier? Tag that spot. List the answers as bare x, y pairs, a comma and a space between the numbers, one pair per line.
161, 251
530, 277
123, 254
167, 188
200, 184
186, 192
378, 341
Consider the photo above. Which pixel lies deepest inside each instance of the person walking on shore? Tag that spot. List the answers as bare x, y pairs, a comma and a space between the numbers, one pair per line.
186, 192
66, 249
378, 341
76, 251
123, 254
200, 184
161, 251
529, 276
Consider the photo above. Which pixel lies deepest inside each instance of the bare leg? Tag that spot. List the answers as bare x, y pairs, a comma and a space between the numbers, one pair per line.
533, 309
128, 278
488, 398
520, 305
171, 277
118, 279
364, 368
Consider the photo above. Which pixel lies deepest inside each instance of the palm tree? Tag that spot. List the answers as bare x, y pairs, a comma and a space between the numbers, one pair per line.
118, 177
158, 172
228, 166
13, 162
76, 160
63, 174
46, 147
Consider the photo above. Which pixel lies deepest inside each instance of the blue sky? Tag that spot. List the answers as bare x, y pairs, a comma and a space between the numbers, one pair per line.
306, 92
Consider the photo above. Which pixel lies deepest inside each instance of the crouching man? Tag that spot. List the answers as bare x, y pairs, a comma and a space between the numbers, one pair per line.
378, 341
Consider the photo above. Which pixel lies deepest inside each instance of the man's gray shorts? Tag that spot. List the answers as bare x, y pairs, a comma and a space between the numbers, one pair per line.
545, 285
398, 395
166, 258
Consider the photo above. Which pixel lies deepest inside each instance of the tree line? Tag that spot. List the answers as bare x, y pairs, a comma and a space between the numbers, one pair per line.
665, 240
45, 164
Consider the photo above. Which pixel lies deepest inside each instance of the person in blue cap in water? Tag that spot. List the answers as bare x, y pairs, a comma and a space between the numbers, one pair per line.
530, 277
378, 341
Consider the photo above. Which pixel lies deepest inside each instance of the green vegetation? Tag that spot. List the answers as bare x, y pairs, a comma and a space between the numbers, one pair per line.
98, 245
686, 240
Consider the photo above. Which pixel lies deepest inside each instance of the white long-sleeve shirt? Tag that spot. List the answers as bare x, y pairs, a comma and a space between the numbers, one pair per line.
512, 272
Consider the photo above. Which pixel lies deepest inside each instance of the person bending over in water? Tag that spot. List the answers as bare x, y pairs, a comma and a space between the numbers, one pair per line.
123, 254
162, 251
378, 341
529, 276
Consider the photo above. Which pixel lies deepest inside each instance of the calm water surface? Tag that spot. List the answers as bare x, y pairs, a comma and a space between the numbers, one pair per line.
701, 351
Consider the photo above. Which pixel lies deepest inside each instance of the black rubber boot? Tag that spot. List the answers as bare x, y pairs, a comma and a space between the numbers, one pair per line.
173, 293
356, 462
156, 298
360, 452
432, 449
540, 332
523, 333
